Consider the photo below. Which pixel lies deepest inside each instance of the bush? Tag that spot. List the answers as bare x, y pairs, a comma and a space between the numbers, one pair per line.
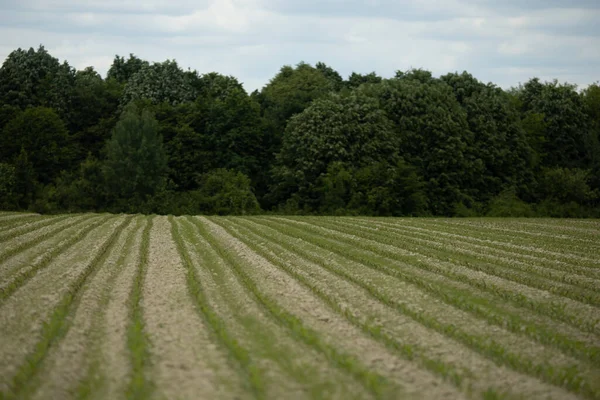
508, 204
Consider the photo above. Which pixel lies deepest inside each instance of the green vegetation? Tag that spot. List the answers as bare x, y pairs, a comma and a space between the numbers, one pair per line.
153, 138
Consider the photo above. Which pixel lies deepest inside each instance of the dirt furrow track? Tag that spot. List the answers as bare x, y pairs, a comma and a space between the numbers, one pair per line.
101, 306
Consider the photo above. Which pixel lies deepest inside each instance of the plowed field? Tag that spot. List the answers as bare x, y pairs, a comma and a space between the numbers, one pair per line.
101, 306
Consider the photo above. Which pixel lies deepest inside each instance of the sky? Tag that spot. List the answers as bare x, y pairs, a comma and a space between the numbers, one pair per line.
506, 42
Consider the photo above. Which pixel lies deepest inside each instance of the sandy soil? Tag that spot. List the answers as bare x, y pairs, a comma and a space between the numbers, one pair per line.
67, 363
302, 371
335, 329
22, 314
482, 372
182, 350
573, 307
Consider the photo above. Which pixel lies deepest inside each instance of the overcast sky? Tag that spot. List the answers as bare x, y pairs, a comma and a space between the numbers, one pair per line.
503, 42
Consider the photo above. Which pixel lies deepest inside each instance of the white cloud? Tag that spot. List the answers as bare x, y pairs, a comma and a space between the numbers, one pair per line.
252, 39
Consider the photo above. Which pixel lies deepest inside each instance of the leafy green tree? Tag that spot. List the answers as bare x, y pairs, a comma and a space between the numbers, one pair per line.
565, 120
591, 101
94, 109
43, 136
159, 82
499, 140
434, 136
30, 78
226, 191
336, 80
356, 79
291, 91
349, 129
122, 70
136, 163
221, 129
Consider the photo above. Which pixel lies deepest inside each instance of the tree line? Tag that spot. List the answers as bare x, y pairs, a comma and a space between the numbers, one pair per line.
155, 138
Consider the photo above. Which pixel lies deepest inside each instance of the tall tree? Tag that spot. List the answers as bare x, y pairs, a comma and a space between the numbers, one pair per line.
499, 140
43, 136
434, 134
159, 82
122, 70
31, 78
348, 129
136, 163
565, 121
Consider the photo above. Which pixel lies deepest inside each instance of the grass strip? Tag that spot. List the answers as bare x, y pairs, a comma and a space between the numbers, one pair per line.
138, 343
548, 279
58, 325
482, 307
252, 372
94, 379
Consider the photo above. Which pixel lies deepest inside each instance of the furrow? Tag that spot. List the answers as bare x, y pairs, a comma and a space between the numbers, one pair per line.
139, 385
580, 315
284, 366
183, 350
508, 269
65, 366
8, 224
554, 253
23, 382
495, 344
506, 229
40, 235
18, 281
457, 295
546, 262
311, 320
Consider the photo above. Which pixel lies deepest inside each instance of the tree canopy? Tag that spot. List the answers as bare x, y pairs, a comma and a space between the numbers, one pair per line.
155, 138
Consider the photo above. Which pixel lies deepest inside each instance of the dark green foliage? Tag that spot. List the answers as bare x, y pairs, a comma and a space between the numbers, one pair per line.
136, 163
30, 78
159, 82
355, 79
434, 135
347, 129
8, 179
122, 70
499, 144
43, 136
565, 120
225, 191
380, 188
507, 204
154, 138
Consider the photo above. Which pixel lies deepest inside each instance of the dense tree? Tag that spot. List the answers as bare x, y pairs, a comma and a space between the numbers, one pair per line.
499, 140
153, 138
348, 129
31, 78
565, 122
136, 163
122, 70
434, 134
93, 114
159, 82
43, 136
355, 79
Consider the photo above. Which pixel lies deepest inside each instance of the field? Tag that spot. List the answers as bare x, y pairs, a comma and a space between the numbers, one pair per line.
104, 306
